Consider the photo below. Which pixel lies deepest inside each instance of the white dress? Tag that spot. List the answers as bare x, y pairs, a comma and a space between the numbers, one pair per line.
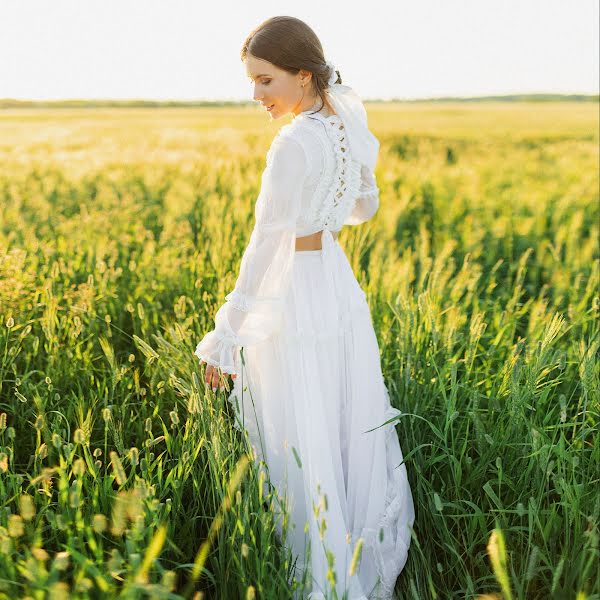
309, 390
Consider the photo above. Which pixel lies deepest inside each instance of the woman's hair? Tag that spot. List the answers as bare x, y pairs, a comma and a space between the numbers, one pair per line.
291, 45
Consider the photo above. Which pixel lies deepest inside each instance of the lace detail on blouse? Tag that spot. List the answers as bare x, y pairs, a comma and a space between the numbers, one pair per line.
334, 197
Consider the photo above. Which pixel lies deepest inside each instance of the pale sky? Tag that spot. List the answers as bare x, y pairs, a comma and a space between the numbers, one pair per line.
190, 50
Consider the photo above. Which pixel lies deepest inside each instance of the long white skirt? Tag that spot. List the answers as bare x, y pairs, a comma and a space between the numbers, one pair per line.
313, 401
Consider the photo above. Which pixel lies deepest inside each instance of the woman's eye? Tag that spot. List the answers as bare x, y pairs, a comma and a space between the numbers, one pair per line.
266, 82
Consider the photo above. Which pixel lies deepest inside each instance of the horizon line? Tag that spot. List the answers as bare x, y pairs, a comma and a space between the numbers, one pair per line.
229, 100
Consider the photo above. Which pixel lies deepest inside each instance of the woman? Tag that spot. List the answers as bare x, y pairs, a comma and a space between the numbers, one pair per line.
296, 333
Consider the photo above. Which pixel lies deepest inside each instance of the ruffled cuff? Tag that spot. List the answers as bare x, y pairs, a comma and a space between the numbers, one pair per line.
217, 350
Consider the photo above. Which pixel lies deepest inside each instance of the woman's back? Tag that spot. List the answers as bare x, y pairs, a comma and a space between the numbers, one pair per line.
337, 189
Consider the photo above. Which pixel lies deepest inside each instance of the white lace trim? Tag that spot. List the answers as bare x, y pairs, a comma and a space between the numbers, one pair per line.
334, 197
345, 187
219, 344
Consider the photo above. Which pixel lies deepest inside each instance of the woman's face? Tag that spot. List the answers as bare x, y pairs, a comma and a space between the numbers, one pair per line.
278, 90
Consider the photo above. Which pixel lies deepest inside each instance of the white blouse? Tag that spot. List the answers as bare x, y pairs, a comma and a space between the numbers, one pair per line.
310, 183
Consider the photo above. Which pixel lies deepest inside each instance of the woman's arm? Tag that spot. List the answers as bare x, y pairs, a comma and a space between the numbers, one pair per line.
368, 201
253, 309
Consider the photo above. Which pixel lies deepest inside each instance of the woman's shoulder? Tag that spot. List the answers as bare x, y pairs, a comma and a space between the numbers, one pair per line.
303, 132
300, 129
292, 137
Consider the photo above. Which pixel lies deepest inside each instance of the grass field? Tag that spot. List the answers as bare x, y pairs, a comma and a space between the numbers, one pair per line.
121, 231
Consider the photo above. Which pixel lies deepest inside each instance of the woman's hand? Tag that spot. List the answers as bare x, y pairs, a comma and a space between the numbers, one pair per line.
213, 375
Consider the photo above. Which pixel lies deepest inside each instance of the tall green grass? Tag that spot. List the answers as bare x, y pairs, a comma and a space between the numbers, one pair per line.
120, 234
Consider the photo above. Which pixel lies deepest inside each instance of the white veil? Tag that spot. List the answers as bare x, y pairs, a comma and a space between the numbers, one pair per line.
364, 146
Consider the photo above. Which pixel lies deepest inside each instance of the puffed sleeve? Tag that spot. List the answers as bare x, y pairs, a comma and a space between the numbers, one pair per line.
254, 308
368, 201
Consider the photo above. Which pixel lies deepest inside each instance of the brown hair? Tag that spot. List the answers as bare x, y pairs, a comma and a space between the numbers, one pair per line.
291, 45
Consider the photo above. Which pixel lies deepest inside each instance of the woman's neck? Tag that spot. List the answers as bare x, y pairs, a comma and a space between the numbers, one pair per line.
319, 107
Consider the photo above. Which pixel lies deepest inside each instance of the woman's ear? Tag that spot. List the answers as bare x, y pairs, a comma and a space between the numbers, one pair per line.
305, 77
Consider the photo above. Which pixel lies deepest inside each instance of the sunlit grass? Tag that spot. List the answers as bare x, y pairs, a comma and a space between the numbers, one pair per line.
121, 232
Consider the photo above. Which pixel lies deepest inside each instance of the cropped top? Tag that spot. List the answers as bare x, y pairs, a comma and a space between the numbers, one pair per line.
310, 183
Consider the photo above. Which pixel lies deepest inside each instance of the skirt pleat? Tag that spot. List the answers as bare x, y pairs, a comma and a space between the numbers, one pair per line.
313, 401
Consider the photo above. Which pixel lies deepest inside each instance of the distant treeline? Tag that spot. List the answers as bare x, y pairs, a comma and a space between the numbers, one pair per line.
11, 103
